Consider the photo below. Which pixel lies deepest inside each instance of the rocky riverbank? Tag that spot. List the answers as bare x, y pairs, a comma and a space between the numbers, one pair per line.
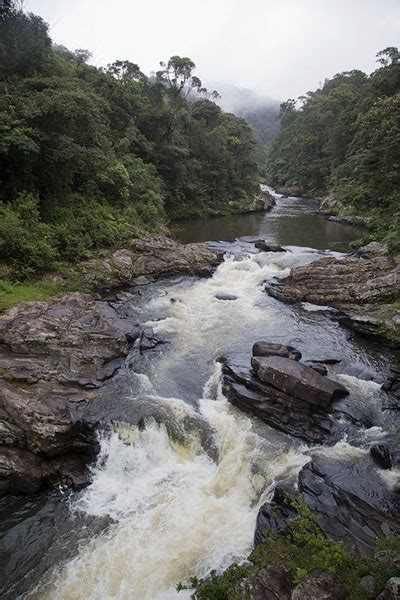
333, 532
55, 356
363, 287
332, 208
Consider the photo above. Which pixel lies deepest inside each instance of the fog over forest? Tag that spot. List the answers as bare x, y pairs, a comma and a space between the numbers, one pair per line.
279, 49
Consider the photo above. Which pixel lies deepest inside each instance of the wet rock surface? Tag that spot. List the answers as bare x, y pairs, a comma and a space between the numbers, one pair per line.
270, 349
362, 286
349, 498
292, 415
146, 260
297, 380
53, 358
286, 394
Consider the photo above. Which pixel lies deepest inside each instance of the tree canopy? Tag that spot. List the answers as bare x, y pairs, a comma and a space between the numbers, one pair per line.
90, 157
344, 140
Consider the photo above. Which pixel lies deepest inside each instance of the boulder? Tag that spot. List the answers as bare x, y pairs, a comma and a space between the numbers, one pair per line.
261, 202
147, 259
270, 583
297, 380
322, 587
392, 383
386, 454
310, 422
268, 246
271, 349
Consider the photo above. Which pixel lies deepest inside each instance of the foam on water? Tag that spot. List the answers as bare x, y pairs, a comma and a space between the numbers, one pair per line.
177, 512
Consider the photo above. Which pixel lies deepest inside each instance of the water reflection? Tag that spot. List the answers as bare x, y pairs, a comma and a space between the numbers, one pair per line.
279, 226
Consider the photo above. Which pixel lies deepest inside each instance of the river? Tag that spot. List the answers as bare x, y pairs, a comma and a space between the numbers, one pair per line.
181, 475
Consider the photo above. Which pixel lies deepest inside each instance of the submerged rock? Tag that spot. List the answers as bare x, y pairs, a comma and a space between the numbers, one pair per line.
225, 296
269, 247
362, 286
317, 366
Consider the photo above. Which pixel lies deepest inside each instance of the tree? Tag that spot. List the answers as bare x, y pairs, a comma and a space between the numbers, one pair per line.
126, 72
388, 56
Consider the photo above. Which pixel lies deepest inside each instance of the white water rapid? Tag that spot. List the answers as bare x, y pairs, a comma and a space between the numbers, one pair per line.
178, 508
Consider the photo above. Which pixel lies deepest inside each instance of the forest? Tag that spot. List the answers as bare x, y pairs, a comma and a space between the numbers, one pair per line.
91, 157
343, 141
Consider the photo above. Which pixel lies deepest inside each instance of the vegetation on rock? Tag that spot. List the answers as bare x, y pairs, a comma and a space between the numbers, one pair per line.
307, 552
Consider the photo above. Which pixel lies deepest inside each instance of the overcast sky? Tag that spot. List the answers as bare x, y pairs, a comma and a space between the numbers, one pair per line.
279, 48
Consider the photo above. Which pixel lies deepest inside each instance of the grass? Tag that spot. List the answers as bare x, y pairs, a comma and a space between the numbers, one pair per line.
13, 293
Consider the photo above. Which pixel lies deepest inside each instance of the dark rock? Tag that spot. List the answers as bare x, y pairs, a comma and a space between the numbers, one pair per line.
297, 380
348, 498
270, 583
327, 361
391, 591
317, 366
271, 349
323, 587
392, 383
282, 411
225, 296
382, 455
269, 247
149, 339
386, 454
269, 519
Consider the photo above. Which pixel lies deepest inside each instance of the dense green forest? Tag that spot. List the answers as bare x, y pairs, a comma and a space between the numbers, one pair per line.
343, 140
90, 157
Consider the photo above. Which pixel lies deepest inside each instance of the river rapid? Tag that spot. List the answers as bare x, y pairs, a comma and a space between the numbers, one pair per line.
181, 473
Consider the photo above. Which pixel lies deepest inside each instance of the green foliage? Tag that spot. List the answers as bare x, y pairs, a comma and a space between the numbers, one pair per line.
92, 157
307, 552
344, 139
216, 587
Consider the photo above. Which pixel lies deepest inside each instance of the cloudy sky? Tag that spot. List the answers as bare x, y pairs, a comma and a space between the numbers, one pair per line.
279, 48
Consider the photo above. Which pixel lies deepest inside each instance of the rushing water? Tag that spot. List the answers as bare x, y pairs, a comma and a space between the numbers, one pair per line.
178, 495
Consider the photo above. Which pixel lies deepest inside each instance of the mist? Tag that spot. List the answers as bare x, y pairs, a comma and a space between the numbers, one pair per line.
275, 48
